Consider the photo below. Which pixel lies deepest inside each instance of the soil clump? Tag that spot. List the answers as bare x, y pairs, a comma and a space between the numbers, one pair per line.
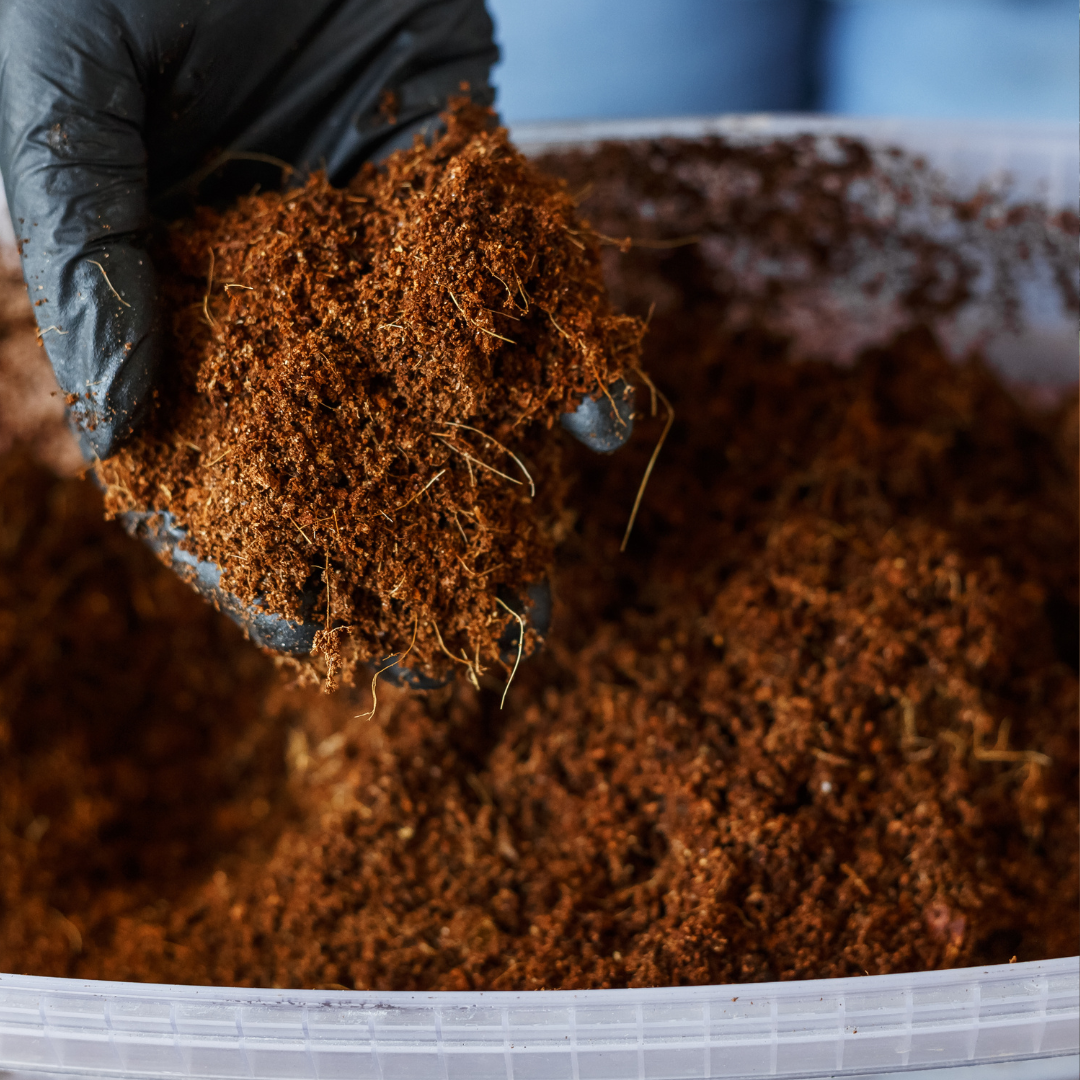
357, 422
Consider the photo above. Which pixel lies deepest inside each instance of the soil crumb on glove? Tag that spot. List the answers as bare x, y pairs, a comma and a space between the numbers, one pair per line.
364, 382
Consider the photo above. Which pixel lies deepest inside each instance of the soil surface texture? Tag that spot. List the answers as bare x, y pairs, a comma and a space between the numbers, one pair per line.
820, 718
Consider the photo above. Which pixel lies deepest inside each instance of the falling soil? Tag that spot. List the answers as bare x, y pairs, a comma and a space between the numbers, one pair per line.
819, 719
357, 427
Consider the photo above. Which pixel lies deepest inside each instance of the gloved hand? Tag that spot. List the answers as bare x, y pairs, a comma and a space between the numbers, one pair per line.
114, 110
109, 107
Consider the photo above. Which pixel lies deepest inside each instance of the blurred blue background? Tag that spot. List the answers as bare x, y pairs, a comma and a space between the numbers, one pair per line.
986, 59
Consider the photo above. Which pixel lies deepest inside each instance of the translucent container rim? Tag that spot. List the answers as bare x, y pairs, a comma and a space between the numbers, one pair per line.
1067, 967
1037, 160
1021, 133
969, 1023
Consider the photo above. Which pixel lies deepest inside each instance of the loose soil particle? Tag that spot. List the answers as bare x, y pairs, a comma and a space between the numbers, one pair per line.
365, 379
819, 720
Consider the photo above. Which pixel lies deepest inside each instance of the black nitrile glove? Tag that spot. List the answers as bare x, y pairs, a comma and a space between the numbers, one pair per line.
110, 107
111, 110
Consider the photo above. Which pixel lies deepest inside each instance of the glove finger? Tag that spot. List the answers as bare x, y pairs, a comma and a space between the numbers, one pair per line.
74, 166
161, 533
603, 423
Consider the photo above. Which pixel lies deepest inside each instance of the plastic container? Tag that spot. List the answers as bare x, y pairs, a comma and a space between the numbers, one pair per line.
1027, 1015
1020, 1022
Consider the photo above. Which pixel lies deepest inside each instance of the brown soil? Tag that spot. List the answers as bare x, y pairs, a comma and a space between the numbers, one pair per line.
366, 379
819, 719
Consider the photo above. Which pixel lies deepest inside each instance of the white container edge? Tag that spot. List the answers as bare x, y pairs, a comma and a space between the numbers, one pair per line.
1037, 160
876, 1025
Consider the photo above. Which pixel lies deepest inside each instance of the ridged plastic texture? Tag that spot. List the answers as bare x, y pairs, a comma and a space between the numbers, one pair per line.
829, 1027
1008, 1022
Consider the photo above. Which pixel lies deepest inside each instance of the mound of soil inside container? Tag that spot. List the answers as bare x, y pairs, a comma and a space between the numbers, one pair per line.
833, 738
819, 719
356, 420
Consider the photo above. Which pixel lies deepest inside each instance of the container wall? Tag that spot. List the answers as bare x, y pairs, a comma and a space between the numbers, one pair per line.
834, 1027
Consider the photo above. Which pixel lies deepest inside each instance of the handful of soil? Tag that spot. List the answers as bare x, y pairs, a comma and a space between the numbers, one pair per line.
362, 389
